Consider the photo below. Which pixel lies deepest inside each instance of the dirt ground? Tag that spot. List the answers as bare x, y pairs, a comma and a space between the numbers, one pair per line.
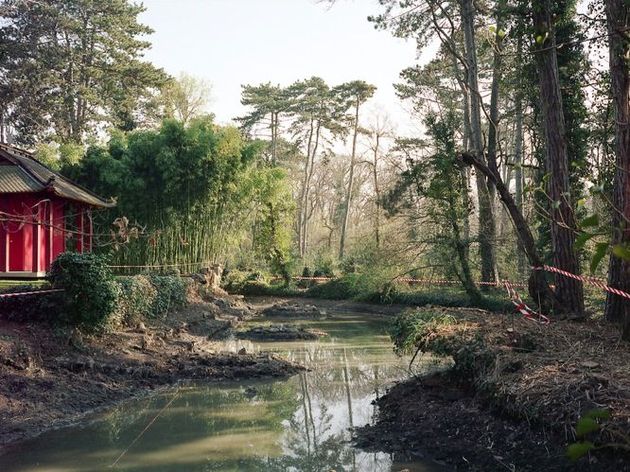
518, 410
50, 379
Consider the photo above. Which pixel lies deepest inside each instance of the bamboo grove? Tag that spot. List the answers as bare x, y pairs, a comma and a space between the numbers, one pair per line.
519, 158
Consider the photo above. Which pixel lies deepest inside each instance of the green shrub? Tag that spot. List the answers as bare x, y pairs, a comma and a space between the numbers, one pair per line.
90, 292
136, 299
493, 300
410, 327
369, 287
236, 280
148, 296
233, 280
279, 289
170, 293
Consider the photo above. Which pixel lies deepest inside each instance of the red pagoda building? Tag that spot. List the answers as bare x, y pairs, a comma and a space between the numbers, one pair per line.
42, 214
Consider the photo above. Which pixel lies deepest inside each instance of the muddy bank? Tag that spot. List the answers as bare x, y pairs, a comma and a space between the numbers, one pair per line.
50, 378
279, 333
326, 306
513, 397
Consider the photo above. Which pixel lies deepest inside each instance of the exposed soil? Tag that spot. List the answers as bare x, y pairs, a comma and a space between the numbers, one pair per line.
513, 398
294, 310
49, 379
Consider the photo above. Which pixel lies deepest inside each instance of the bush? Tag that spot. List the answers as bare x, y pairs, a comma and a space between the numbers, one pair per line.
236, 280
170, 293
90, 292
368, 286
410, 327
135, 302
148, 296
253, 287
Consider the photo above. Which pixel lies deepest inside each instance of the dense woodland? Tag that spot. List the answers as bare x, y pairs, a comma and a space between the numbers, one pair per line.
524, 158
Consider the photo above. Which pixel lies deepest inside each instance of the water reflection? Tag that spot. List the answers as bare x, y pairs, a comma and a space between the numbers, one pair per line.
300, 424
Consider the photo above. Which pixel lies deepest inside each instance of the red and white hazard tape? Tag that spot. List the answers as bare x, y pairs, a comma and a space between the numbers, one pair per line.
33, 292
594, 281
310, 278
454, 282
522, 307
157, 266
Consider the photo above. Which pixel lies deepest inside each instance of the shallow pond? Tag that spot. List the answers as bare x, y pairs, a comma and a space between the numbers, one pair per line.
298, 424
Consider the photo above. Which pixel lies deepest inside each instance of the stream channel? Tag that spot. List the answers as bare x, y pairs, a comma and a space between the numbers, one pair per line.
296, 424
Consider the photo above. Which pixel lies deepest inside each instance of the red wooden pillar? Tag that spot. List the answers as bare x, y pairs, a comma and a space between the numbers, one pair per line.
51, 232
90, 234
80, 230
4, 236
34, 218
58, 232
43, 239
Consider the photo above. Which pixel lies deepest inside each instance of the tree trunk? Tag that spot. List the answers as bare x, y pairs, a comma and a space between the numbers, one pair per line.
539, 290
518, 156
618, 21
377, 194
348, 200
569, 292
274, 137
487, 223
309, 178
303, 191
461, 250
466, 145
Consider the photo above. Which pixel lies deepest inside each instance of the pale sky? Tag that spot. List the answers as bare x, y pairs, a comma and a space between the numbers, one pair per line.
234, 42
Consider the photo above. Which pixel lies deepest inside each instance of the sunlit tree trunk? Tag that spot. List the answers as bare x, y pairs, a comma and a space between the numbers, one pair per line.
303, 190
348, 199
377, 193
487, 223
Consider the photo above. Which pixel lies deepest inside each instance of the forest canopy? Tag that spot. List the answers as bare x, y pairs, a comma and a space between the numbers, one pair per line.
521, 160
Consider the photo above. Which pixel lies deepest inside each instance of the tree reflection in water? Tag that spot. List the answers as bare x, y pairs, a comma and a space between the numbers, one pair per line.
299, 424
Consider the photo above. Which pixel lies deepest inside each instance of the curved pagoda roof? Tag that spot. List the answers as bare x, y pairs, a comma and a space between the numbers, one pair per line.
20, 172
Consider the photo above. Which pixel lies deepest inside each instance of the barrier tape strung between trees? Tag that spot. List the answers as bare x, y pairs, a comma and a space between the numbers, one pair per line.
455, 282
32, 292
594, 281
158, 266
515, 298
411, 280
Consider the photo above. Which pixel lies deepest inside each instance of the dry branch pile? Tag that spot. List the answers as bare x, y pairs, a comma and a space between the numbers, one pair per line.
549, 374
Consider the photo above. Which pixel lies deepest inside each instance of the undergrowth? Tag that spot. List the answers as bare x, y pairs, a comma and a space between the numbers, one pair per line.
93, 299
411, 327
427, 331
373, 288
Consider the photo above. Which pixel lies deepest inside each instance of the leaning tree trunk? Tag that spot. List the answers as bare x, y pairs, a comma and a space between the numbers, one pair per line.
569, 292
487, 223
618, 21
539, 290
